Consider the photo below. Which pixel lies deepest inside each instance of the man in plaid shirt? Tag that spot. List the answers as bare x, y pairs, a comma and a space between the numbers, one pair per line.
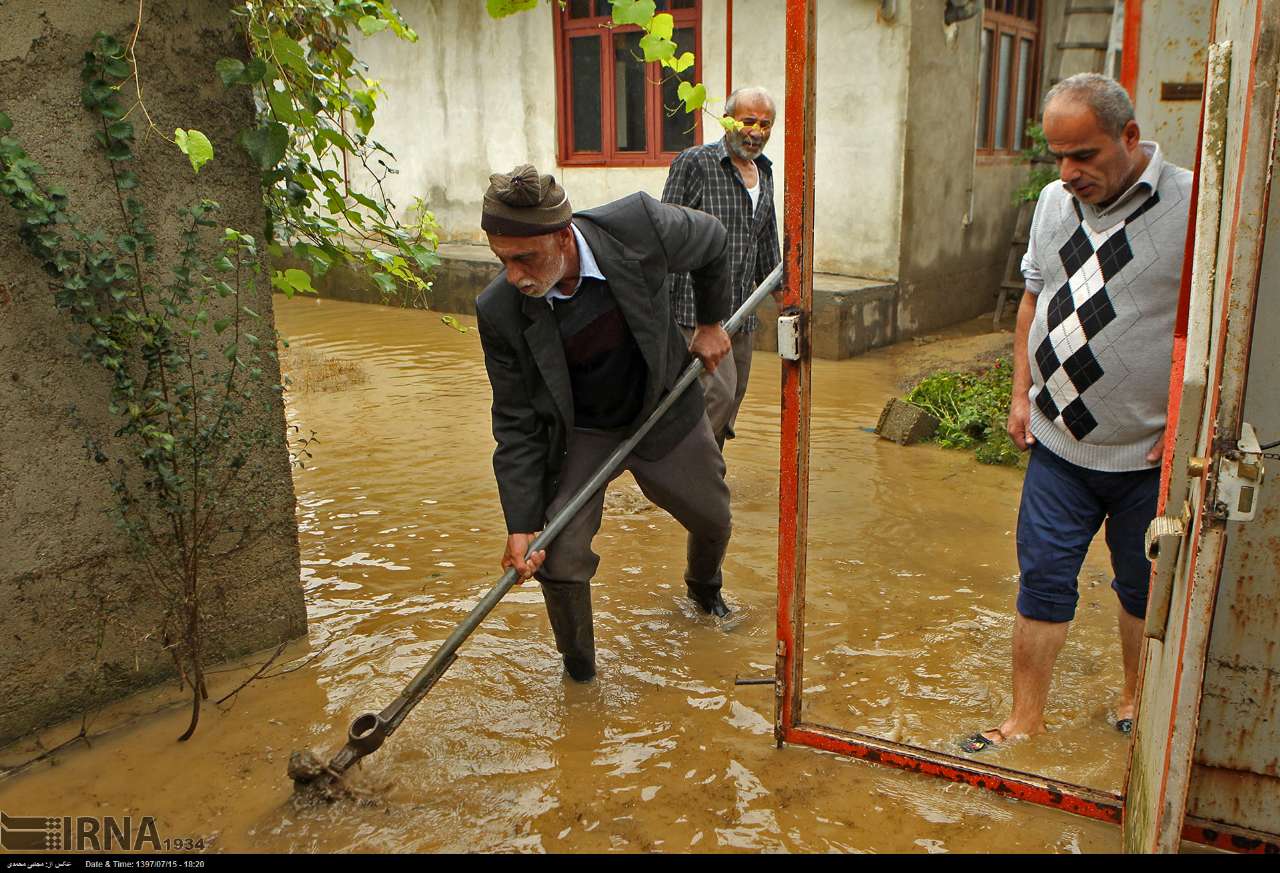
733, 181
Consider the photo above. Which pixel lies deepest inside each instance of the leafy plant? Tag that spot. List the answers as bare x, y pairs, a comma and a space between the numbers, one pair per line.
316, 107
1041, 171
185, 356
971, 409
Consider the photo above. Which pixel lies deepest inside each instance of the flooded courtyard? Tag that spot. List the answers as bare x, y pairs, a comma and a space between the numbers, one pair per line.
911, 583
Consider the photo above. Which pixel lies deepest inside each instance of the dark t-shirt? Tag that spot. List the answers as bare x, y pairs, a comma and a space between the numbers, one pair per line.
607, 372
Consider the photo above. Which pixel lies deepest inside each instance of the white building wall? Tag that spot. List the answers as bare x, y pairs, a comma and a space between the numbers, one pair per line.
471, 96
475, 95
861, 137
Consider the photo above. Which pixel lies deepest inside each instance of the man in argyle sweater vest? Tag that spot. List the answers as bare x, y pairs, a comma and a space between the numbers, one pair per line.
1092, 353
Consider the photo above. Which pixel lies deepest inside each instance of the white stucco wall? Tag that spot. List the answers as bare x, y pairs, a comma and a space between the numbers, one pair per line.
1174, 40
474, 95
861, 136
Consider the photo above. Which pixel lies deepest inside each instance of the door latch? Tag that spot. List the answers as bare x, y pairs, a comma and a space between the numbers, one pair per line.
1238, 480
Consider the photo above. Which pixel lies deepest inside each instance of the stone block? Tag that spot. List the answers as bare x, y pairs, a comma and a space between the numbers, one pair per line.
905, 423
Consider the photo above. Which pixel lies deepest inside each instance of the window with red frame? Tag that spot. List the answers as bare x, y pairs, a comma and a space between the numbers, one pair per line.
615, 109
1008, 74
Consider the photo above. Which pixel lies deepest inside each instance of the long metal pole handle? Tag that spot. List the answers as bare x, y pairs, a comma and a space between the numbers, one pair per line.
371, 729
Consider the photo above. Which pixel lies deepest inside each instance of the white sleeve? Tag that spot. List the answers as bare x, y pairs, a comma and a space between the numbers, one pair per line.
1032, 273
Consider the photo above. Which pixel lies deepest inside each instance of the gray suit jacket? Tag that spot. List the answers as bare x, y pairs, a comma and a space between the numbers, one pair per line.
637, 243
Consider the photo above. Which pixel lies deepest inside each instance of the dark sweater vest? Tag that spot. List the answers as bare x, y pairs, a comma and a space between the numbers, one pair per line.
607, 372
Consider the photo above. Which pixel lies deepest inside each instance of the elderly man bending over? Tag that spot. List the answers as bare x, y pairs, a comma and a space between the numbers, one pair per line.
580, 347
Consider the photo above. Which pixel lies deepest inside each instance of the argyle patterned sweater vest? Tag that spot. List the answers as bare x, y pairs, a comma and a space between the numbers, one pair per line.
1102, 339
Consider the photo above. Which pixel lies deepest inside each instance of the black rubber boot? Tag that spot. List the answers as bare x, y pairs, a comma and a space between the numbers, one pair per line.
579, 669
569, 608
702, 575
709, 601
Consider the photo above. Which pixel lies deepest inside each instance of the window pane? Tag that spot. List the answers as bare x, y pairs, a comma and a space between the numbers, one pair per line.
579, 8
584, 65
984, 88
629, 88
677, 125
1024, 82
1002, 91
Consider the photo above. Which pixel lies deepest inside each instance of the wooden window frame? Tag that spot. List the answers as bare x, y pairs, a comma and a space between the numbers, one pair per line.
1020, 19
566, 28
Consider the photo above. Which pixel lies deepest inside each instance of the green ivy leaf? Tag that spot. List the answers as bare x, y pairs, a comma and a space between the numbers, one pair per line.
694, 96
255, 71
680, 64
106, 44
369, 25
657, 48
292, 281
221, 324
662, 26
118, 68
266, 144
5, 124
119, 151
282, 105
335, 138
229, 70
386, 283
195, 145
633, 12
503, 8
290, 53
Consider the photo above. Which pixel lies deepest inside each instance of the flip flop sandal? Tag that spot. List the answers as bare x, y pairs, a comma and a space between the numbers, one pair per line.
978, 742
1125, 725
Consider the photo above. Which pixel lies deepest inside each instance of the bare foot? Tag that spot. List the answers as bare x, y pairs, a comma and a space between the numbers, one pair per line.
998, 736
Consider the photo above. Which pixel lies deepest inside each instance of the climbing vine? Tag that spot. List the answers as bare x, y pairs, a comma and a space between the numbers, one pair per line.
185, 354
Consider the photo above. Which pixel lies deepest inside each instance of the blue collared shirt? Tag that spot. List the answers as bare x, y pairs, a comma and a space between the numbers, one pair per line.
587, 267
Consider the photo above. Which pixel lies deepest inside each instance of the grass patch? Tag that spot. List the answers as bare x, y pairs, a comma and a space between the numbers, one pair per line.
307, 370
971, 409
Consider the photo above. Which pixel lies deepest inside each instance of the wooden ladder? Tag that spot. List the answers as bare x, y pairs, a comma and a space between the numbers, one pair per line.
1085, 39
1011, 286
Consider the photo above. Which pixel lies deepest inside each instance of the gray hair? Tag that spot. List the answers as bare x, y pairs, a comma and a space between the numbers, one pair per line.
731, 105
1104, 95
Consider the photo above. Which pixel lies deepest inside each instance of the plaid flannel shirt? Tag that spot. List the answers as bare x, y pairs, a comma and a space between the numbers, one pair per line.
703, 177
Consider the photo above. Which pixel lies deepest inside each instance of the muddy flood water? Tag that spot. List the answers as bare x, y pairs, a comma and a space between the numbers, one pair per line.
911, 582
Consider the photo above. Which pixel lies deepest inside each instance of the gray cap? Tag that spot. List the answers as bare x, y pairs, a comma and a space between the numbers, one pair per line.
524, 203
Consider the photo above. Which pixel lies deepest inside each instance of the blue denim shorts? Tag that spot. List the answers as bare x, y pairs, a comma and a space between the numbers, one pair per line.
1062, 508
